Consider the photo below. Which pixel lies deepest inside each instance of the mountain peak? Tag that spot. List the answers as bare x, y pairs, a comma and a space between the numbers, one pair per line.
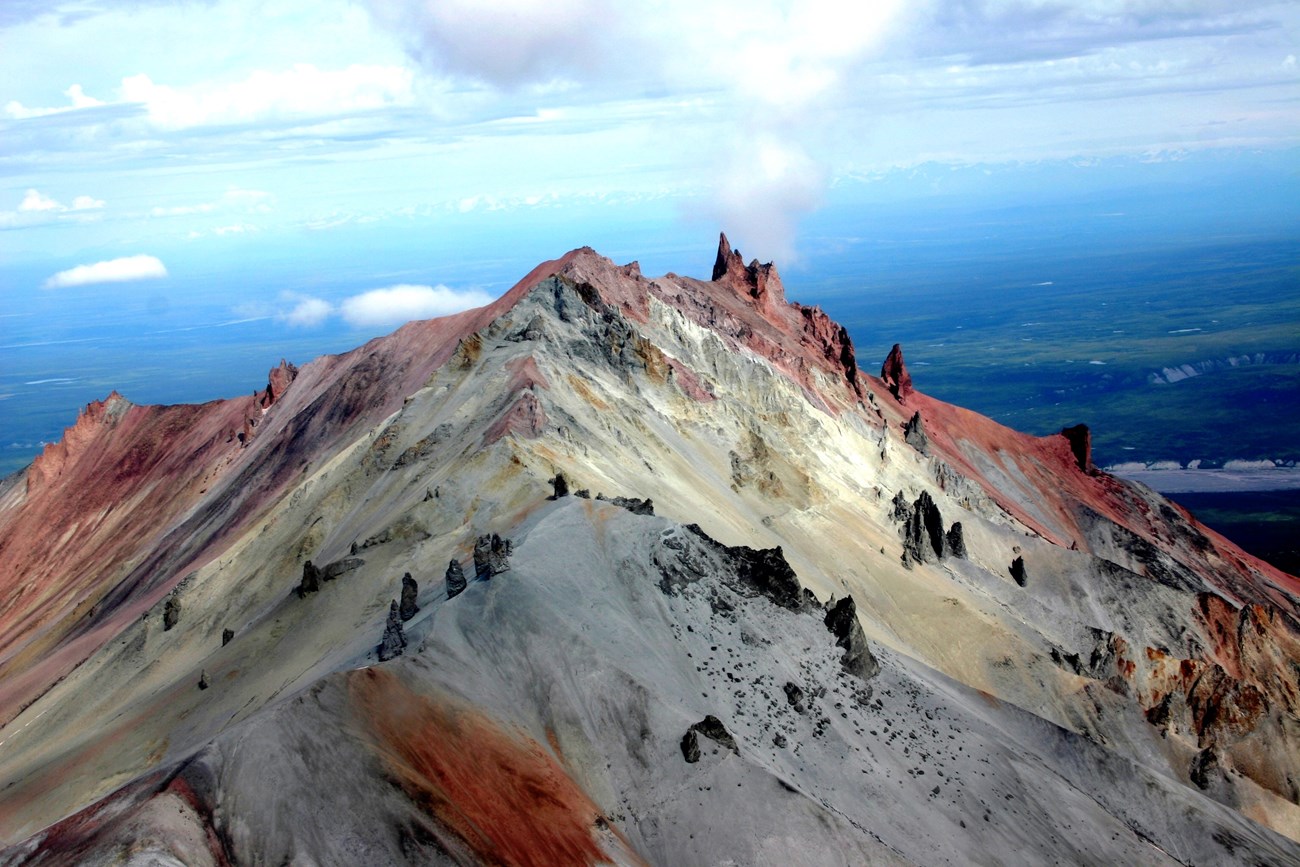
706, 557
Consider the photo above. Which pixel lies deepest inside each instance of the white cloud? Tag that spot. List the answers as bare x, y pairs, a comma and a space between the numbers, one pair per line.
307, 312
300, 91
77, 99
139, 267
395, 305
37, 201
232, 201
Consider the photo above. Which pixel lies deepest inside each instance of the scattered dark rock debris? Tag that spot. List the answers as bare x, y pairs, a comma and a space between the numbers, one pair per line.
794, 695
410, 589
585, 493
455, 579
491, 556
203, 679
171, 612
394, 640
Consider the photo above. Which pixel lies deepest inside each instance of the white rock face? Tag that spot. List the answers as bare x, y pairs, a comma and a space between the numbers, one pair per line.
538, 716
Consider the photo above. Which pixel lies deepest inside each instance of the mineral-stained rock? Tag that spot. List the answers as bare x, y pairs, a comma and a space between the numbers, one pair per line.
394, 640
894, 373
227, 636
1017, 570
956, 540
410, 589
842, 621
171, 612
914, 434
491, 556
691, 746
455, 579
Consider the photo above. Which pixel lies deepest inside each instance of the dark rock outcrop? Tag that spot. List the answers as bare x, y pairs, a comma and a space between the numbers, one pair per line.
923, 536
204, 683
171, 612
227, 636
761, 571
394, 640
632, 504
1017, 570
1080, 439
713, 729
456, 582
410, 589
956, 540
560, 485
311, 579
914, 434
842, 621
895, 375
341, 567
491, 556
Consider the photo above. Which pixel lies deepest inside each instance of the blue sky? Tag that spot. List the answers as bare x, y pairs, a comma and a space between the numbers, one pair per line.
143, 140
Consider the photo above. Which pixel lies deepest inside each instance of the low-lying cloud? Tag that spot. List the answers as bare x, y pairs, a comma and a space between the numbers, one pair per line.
387, 307
397, 304
123, 270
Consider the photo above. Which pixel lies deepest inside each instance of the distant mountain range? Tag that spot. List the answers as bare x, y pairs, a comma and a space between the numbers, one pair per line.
620, 569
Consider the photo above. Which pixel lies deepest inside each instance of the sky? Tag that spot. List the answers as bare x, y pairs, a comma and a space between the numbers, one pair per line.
147, 143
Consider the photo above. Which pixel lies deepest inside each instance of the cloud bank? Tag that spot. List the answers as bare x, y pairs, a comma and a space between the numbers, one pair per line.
125, 269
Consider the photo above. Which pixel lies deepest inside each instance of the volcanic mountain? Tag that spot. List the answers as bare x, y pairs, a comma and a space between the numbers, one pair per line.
625, 570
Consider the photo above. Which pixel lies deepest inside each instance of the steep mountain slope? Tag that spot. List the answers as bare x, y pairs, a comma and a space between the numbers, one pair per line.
203, 660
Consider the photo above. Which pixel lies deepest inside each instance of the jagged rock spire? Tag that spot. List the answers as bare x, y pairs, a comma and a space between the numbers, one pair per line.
894, 373
758, 281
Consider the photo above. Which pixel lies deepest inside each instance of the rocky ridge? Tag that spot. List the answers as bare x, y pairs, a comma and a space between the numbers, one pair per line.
1158, 660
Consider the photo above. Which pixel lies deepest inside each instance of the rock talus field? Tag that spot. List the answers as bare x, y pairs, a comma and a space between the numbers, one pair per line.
621, 570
